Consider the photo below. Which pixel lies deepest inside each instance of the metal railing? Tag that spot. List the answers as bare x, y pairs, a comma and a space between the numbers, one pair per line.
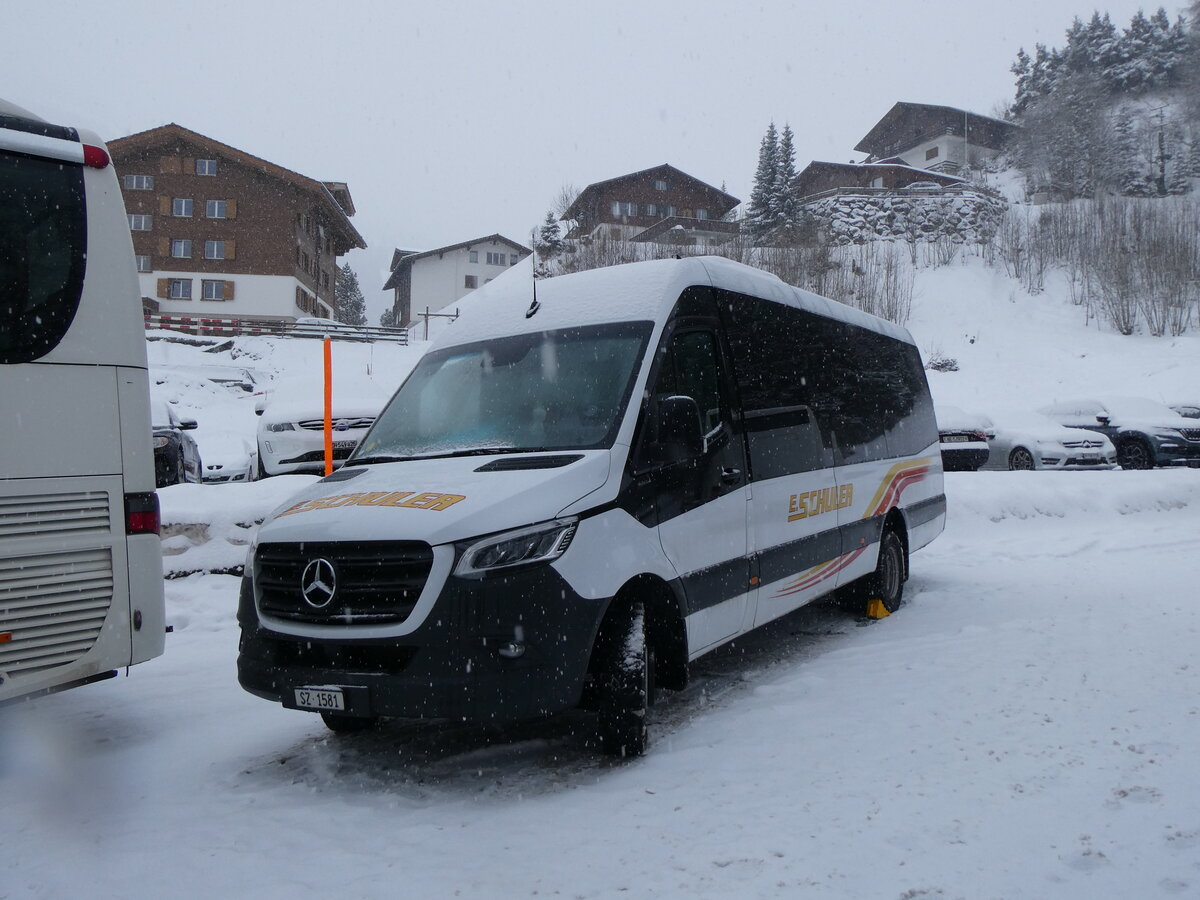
205, 326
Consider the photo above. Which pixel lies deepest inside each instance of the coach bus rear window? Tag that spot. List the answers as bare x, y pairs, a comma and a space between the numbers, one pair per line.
43, 241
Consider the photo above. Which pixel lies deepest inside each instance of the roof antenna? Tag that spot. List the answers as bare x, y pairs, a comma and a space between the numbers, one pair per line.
534, 306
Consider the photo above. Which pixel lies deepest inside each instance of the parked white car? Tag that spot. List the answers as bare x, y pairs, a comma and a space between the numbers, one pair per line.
291, 427
228, 457
1033, 441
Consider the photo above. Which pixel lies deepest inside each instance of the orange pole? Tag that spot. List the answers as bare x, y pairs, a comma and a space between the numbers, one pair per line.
328, 406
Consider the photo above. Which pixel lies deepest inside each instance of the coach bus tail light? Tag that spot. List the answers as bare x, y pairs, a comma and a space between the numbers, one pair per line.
141, 513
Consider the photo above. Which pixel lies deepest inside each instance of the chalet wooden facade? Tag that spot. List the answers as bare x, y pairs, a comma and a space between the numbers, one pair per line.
626, 206
936, 138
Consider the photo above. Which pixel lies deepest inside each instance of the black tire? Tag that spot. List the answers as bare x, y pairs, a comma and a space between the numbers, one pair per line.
180, 474
885, 584
1135, 453
348, 724
1020, 460
260, 472
625, 683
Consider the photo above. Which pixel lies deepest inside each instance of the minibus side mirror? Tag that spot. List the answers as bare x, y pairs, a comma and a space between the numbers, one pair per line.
678, 435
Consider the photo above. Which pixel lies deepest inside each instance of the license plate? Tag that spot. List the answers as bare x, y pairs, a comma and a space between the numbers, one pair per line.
344, 445
955, 439
320, 698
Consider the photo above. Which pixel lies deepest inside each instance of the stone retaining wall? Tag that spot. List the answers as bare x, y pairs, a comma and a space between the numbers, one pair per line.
962, 218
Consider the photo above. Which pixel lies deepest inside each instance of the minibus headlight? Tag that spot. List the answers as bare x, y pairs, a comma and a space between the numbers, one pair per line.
537, 543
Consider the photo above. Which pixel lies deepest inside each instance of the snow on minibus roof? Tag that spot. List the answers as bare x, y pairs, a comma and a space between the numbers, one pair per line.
641, 291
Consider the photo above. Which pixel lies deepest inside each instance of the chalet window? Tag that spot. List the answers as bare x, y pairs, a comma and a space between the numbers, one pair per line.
649, 210
470, 282
473, 256
495, 259
212, 290
139, 182
140, 223
660, 184
216, 209
512, 259
180, 288
206, 167
181, 206
143, 263
702, 214
877, 182
670, 211
931, 153
616, 208
629, 209
214, 250
181, 249
304, 262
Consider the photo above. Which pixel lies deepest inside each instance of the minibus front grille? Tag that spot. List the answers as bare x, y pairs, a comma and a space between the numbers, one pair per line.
66, 514
52, 608
376, 582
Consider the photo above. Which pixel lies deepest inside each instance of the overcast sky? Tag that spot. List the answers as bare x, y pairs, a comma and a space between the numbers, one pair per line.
451, 121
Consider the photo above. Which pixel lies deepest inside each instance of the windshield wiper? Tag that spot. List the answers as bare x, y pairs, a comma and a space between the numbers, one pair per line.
371, 460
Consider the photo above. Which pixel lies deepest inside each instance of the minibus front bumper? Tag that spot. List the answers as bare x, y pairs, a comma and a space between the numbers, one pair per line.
508, 647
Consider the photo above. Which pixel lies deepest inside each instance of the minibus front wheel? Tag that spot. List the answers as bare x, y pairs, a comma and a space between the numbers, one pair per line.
625, 681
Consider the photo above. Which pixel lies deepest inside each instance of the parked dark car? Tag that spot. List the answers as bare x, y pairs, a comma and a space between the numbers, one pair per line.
176, 456
1146, 433
962, 438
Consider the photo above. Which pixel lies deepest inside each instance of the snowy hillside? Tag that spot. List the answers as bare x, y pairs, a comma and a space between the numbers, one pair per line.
1024, 727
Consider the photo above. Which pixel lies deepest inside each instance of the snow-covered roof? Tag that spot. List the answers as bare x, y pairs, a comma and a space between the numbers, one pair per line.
642, 291
884, 131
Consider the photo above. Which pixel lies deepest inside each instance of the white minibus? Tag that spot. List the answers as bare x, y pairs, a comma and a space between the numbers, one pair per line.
81, 592
574, 496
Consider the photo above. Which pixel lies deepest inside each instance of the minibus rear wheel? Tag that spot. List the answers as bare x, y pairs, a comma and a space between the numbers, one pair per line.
625, 682
885, 584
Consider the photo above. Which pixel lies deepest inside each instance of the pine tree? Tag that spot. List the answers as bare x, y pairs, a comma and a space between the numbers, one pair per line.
759, 212
387, 318
549, 244
784, 206
1021, 68
351, 305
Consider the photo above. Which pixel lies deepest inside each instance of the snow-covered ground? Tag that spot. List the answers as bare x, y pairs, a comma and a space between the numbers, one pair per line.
1025, 726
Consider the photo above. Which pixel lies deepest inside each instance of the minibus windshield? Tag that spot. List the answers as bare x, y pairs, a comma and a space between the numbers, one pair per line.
552, 390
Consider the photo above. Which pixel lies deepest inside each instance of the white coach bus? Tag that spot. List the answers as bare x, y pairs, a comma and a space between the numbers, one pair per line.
571, 499
80, 569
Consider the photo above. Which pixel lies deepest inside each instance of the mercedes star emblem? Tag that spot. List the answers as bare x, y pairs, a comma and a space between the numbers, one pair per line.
318, 584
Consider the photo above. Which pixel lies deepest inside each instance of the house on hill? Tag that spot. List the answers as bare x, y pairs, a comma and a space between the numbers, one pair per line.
820, 177
936, 138
431, 280
661, 204
219, 232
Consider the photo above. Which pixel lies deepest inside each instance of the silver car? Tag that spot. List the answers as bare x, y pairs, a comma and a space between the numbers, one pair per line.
1033, 441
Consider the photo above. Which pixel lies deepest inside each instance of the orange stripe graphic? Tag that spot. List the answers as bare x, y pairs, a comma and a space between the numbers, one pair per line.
898, 477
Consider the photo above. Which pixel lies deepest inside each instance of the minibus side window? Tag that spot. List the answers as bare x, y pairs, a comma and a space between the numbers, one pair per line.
43, 235
779, 362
